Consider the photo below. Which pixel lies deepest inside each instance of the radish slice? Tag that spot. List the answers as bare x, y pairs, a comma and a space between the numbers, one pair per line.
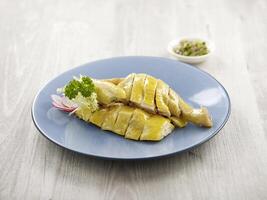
68, 103
62, 107
57, 99
57, 105
73, 111
64, 104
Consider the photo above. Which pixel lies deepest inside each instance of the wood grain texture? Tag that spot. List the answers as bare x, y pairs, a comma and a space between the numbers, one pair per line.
40, 39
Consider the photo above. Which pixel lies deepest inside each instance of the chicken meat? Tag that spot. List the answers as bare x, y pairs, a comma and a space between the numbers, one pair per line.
152, 95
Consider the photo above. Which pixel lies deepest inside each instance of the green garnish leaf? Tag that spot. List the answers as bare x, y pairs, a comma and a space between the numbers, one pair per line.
84, 85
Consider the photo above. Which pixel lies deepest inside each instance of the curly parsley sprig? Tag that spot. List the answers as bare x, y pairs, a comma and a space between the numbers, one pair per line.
84, 85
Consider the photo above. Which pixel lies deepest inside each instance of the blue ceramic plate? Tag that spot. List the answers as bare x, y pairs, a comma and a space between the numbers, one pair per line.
194, 85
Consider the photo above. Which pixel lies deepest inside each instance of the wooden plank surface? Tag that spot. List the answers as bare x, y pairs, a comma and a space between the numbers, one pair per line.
40, 39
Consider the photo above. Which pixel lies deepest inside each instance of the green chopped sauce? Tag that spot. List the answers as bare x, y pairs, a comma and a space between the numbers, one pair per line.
191, 48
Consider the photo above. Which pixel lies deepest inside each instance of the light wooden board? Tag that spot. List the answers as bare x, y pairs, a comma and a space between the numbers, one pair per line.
40, 39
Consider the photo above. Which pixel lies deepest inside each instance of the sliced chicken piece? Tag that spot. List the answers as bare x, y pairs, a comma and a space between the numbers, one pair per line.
123, 120
84, 114
115, 81
136, 124
178, 121
127, 85
110, 118
108, 92
200, 116
173, 103
162, 92
156, 128
98, 117
150, 86
138, 89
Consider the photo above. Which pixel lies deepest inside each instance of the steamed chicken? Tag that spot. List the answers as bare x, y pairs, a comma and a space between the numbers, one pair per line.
138, 107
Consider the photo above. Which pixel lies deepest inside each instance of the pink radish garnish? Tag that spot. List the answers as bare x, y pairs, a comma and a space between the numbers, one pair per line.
62, 103
73, 111
62, 108
57, 99
68, 103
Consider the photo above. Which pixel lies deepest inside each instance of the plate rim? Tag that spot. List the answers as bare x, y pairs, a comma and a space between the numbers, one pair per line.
133, 158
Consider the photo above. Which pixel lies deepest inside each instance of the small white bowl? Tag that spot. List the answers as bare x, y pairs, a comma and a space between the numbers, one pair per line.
190, 59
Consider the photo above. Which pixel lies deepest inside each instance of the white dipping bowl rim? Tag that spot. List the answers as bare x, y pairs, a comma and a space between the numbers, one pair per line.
190, 59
